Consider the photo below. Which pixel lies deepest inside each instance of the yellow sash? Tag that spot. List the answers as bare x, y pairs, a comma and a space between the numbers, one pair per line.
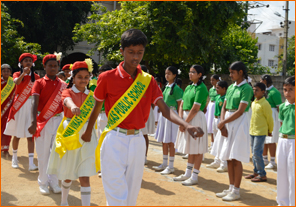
5, 92
68, 139
93, 82
123, 107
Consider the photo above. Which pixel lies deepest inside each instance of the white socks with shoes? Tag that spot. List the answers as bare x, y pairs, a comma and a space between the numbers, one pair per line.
65, 192
188, 169
85, 196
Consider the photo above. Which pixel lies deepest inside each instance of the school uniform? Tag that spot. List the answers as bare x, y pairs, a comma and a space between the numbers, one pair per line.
194, 94
285, 156
81, 161
44, 88
155, 111
102, 121
166, 131
211, 109
235, 146
122, 155
219, 139
275, 99
150, 124
22, 118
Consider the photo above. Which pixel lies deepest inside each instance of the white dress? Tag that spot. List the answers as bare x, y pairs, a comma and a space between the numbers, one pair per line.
276, 127
150, 124
166, 131
210, 116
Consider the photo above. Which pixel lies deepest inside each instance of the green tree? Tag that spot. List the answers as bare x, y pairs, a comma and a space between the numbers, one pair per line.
179, 33
290, 58
13, 44
49, 23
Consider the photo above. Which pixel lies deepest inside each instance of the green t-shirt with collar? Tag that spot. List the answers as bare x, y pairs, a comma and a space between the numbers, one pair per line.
171, 100
195, 94
213, 94
274, 97
287, 117
236, 94
218, 104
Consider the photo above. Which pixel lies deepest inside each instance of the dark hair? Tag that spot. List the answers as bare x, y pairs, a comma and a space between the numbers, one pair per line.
267, 78
198, 69
31, 70
222, 84
133, 37
179, 82
174, 70
157, 79
144, 68
290, 81
262, 86
215, 76
105, 67
74, 73
61, 73
238, 65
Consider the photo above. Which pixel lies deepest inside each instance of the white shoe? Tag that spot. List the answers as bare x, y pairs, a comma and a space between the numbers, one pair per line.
33, 167
146, 162
64, 204
222, 169
167, 171
185, 156
213, 165
224, 193
160, 167
270, 166
266, 162
210, 148
44, 190
14, 164
55, 189
189, 182
231, 197
180, 178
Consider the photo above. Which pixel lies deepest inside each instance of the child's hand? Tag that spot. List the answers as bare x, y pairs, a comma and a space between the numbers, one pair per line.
269, 134
27, 70
195, 132
32, 129
75, 110
224, 131
86, 136
182, 129
220, 125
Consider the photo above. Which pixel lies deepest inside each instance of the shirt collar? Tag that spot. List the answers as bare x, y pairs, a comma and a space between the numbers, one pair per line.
123, 73
270, 87
75, 90
260, 100
194, 84
170, 85
47, 78
243, 82
288, 103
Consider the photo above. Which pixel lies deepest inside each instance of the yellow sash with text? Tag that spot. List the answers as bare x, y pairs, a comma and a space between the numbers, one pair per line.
5, 92
123, 107
68, 138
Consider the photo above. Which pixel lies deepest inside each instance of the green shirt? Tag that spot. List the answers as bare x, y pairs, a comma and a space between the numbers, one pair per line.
236, 94
218, 104
195, 95
93, 83
171, 100
273, 97
287, 117
213, 94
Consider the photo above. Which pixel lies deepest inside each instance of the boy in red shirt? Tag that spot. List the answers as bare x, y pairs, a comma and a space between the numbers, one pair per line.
123, 149
47, 93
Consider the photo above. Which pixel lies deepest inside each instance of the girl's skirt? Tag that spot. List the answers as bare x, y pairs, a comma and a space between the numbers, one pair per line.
218, 139
150, 124
185, 143
75, 163
166, 131
276, 127
102, 123
210, 116
156, 114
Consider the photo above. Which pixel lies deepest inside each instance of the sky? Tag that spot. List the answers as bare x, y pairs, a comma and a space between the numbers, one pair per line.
270, 20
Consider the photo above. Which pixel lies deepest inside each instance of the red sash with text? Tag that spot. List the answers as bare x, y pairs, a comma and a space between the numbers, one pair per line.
20, 99
53, 106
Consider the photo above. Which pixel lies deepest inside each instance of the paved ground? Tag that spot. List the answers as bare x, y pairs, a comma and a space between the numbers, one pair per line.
19, 187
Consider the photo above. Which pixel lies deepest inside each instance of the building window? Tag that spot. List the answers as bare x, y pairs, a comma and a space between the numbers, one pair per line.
282, 46
280, 34
270, 63
259, 62
259, 46
271, 47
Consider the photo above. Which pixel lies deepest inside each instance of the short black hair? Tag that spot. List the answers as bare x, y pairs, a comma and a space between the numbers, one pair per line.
290, 81
105, 67
267, 78
262, 86
133, 37
144, 68
223, 84
215, 76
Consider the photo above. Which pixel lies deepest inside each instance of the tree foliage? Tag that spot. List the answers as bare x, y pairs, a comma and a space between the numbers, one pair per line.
290, 70
179, 33
12, 43
49, 23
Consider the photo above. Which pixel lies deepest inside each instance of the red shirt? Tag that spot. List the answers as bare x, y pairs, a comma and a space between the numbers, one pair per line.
112, 85
76, 96
22, 85
44, 87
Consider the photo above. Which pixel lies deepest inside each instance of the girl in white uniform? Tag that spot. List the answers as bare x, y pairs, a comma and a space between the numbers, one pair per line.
191, 110
234, 125
166, 131
78, 163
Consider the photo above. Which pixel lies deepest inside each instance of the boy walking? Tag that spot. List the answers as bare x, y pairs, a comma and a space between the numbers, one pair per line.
261, 125
128, 93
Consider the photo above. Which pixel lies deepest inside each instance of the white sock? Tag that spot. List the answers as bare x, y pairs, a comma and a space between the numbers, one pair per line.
212, 144
14, 155
31, 158
188, 169
171, 162
85, 196
165, 160
236, 190
272, 160
145, 158
65, 192
231, 187
265, 158
194, 174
